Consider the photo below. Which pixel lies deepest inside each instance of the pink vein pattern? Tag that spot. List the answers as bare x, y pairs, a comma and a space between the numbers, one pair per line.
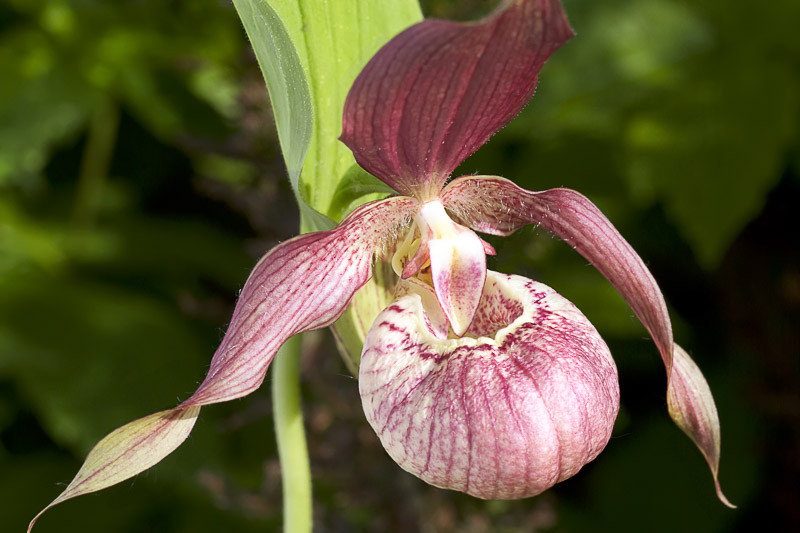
501, 416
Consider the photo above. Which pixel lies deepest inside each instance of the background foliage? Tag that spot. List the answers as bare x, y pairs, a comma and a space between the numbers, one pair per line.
140, 179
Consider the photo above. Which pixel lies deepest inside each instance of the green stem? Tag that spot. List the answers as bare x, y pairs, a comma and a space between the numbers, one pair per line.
292, 449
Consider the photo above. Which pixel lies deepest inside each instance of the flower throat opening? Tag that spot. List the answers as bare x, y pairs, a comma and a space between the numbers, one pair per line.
496, 311
498, 307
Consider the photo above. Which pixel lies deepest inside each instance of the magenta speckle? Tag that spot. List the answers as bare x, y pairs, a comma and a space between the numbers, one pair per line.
502, 416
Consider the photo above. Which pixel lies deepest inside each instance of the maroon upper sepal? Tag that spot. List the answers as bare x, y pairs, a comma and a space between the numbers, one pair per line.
435, 93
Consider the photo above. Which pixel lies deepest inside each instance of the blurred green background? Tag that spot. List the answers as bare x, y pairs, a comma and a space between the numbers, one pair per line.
140, 180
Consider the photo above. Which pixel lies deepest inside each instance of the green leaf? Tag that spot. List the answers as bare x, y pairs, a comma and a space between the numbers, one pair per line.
713, 153
289, 93
356, 188
326, 44
286, 81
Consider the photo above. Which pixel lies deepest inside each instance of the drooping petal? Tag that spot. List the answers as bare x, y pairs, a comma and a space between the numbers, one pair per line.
497, 206
692, 407
522, 403
302, 284
128, 451
435, 93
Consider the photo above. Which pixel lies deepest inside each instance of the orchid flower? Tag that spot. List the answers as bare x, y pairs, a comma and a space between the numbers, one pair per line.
482, 382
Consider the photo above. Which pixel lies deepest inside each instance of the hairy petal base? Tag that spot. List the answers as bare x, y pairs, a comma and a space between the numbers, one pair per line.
521, 403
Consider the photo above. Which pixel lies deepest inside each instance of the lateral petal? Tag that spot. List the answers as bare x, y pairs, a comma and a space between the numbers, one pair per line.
691, 406
302, 284
129, 450
495, 205
435, 93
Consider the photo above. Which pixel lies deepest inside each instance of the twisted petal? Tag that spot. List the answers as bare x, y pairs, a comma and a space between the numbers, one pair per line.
302, 284
435, 93
129, 450
692, 407
497, 206
519, 405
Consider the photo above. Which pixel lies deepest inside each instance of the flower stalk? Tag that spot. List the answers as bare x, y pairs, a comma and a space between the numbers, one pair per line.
291, 437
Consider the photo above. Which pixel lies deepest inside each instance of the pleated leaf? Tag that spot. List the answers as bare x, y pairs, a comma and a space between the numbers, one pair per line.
333, 41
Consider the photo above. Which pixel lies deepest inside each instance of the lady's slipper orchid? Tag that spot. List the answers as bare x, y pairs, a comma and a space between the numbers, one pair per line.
476, 381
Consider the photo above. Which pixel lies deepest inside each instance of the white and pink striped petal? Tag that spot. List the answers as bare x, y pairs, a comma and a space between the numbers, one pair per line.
521, 402
302, 284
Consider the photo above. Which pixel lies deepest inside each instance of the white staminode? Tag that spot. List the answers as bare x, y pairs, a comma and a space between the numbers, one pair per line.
457, 261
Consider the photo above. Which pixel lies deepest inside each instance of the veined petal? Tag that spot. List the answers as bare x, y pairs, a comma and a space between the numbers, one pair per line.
129, 450
302, 284
457, 263
436, 92
521, 403
497, 206
692, 407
